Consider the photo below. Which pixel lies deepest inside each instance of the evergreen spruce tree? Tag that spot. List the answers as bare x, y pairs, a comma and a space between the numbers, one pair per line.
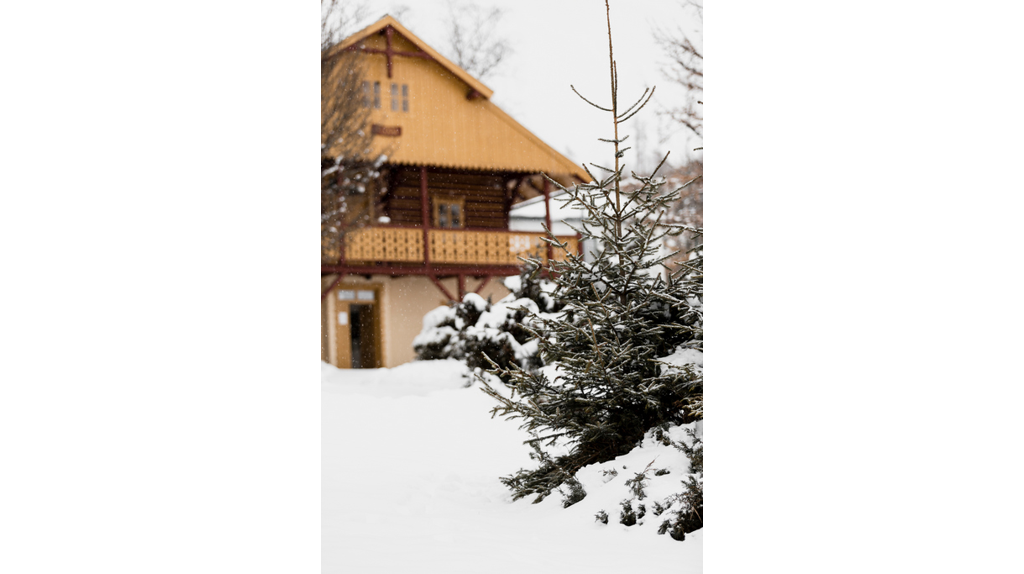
622, 313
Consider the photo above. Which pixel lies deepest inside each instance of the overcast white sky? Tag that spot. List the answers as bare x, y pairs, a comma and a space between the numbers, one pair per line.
563, 42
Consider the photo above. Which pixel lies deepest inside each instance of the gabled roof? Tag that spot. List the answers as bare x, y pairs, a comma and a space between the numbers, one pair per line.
387, 20
451, 121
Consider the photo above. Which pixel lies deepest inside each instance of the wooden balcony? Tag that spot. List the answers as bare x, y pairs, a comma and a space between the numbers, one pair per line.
394, 244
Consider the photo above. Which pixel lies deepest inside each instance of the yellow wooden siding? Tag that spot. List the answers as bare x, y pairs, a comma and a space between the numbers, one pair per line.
444, 128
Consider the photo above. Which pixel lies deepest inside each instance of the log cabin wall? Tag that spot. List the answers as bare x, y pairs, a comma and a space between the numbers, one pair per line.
485, 195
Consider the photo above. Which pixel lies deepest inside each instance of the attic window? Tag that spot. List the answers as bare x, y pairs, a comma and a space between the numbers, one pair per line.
449, 212
395, 100
366, 94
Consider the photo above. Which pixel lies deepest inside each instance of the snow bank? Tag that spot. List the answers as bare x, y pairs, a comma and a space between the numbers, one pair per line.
419, 378
410, 465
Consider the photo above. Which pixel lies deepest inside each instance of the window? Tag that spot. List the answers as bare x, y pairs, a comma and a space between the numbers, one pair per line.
449, 212
365, 92
356, 295
395, 100
376, 95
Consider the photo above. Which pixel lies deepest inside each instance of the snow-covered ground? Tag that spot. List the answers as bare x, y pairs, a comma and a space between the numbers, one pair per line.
410, 467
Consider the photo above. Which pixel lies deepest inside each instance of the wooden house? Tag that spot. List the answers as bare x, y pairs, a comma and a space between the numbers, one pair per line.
439, 224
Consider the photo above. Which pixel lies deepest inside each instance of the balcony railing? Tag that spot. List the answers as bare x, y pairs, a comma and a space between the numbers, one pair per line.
449, 246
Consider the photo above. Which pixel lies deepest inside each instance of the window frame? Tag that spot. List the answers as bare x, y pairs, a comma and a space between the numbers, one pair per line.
449, 200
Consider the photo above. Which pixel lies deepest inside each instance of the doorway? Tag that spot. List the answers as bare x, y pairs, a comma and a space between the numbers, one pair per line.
363, 337
357, 326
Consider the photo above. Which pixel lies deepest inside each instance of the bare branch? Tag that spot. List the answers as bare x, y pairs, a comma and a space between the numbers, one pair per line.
588, 101
473, 42
685, 68
347, 169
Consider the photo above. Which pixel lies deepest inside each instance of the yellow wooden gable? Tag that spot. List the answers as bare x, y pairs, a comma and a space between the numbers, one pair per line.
431, 112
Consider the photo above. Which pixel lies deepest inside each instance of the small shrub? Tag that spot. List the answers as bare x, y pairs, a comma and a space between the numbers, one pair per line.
626, 515
576, 493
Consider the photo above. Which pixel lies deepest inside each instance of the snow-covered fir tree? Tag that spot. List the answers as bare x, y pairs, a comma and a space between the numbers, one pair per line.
626, 348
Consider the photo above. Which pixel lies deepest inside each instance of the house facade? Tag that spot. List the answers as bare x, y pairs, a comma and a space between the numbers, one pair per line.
439, 223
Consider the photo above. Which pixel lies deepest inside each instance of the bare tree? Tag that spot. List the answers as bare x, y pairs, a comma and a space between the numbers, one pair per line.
689, 209
473, 42
684, 50
346, 165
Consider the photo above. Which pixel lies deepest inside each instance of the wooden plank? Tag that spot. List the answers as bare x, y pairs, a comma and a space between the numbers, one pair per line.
401, 203
495, 201
472, 202
483, 189
483, 216
410, 178
407, 191
490, 224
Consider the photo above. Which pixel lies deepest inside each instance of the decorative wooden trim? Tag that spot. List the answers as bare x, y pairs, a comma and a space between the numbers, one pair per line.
386, 131
476, 246
384, 244
389, 52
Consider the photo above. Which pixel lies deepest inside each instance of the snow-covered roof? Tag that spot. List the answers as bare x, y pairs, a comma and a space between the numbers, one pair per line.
529, 216
534, 209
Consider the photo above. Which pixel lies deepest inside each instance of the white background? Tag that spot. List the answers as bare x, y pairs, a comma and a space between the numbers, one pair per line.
159, 405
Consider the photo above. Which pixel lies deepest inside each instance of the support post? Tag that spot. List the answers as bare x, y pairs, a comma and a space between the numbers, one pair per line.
425, 208
547, 216
462, 286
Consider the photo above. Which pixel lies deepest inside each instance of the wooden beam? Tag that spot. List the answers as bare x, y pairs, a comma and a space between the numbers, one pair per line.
425, 208
423, 55
388, 32
487, 279
331, 286
442, 270
462, 286
441, 287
